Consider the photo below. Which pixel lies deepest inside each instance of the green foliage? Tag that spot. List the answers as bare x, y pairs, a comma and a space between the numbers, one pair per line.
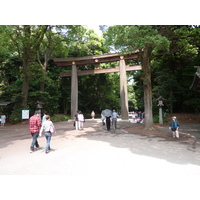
85, 43
155, 119
128, 38
172, 73
64, 118
59, 117
16, 115
173, 50
54, 119
49, 97
102, 93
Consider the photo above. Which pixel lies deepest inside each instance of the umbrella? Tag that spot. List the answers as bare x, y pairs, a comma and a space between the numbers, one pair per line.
106, 113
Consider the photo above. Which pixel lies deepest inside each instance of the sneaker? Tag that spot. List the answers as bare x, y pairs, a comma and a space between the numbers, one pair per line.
46, 152
31, 150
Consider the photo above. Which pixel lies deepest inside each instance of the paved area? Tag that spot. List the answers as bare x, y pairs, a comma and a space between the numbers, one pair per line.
96, 164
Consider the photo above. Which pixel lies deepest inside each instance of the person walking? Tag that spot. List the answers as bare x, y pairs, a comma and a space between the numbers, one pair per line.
34, 125
107, 113
93, 114
76, 120
48, 129
3, 120
108, 123
44, 117
114, 119
174, 126
80, 120
103, 119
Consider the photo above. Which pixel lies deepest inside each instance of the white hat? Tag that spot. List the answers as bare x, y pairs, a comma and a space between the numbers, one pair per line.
174, 117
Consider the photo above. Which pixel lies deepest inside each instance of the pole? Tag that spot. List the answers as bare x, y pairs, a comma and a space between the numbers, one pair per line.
74, 91
160, 115
123, 90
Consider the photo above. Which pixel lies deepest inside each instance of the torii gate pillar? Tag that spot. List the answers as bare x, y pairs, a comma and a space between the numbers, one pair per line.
74, 91
123, 90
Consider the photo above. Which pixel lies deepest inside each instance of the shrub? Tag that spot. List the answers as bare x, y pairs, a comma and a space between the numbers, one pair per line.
54, 119
64, 118
16, 116
155, 119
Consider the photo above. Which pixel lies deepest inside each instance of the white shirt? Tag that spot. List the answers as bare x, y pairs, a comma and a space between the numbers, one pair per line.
80, 117
46, 126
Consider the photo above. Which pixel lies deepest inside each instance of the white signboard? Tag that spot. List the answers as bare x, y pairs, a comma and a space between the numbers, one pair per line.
25, 114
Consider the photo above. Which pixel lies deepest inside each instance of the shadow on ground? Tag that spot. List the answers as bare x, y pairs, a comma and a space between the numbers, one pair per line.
157, 143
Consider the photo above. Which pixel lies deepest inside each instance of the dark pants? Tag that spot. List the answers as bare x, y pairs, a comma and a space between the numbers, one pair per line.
108, 123
114, 123
34, 141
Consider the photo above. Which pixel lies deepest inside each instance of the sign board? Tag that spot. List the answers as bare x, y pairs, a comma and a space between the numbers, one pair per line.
25, 114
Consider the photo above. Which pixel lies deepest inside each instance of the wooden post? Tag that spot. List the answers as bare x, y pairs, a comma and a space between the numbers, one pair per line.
123, 90
74, 91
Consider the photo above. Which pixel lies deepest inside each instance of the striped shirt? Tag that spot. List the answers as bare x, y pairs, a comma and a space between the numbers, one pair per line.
34, 124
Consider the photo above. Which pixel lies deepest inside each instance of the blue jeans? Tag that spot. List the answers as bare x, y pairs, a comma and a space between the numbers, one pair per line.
48, 139
34, 141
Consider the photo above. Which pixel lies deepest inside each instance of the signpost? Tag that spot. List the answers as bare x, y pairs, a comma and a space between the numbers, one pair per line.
25, 114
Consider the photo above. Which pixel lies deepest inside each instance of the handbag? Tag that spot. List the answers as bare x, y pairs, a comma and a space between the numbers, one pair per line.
173, 129
51, 129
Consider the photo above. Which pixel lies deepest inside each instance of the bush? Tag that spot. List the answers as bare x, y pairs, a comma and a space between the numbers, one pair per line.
54, 119
64, 118
155, 119
16, 116
59, 117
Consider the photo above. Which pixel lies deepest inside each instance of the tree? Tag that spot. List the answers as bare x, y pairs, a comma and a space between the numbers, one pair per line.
173, 72
84, 42
26, 40
147, 41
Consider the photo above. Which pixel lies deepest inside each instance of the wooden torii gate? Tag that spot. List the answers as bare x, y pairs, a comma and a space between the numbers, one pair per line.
96, 60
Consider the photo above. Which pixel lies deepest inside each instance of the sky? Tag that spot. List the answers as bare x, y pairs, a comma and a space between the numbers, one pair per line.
95, 28
82, 12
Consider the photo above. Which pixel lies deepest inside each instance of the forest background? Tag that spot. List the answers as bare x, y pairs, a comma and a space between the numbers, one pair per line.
28, 73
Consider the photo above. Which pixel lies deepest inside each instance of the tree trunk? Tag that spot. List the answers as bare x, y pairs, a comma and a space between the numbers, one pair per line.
25, 85
148, 122
171, 103
44, 69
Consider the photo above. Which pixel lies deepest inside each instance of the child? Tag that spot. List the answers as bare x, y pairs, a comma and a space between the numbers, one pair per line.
174, 126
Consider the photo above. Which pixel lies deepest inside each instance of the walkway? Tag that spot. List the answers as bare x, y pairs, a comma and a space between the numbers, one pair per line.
96, 164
